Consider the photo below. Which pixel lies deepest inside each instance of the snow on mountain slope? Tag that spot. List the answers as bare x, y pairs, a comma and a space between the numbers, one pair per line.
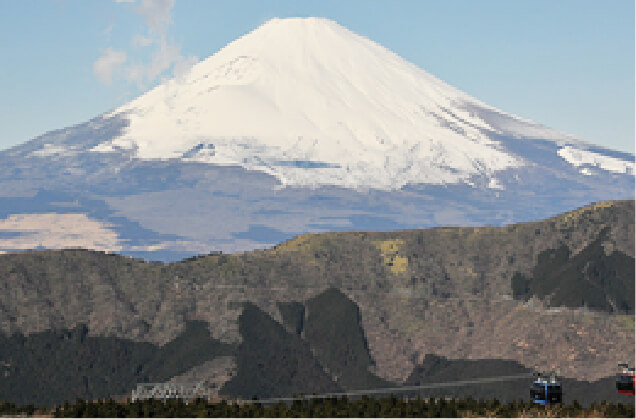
578, 157
312, 103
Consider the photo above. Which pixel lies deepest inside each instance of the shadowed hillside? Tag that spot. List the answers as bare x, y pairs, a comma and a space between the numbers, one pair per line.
336, 336
50, 367
273, 362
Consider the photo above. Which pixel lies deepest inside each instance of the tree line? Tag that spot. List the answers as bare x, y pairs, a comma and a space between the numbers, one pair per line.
334, 407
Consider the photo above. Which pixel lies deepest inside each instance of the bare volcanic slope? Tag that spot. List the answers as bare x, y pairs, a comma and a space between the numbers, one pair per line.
453, 292
304, 126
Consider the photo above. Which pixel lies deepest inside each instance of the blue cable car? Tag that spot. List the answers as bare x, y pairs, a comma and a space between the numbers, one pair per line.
546, 389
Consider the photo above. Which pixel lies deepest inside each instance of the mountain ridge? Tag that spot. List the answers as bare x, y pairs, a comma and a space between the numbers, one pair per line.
268, 362
444, 291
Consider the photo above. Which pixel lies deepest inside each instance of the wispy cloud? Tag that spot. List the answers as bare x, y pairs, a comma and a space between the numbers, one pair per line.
165, 58
109, 64
109, 29
140, 41
157, 14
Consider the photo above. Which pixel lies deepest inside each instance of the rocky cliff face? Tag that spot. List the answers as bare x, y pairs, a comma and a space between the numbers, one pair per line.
444, 291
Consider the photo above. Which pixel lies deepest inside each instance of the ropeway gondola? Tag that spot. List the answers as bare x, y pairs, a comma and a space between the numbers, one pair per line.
546, 389
625, 380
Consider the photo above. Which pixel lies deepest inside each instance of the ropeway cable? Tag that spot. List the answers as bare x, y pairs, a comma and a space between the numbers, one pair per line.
393, 389
390, 292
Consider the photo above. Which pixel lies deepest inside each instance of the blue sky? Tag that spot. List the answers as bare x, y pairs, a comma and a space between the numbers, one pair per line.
568, 64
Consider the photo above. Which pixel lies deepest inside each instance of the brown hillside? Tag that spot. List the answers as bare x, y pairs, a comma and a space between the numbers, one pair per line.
444, 291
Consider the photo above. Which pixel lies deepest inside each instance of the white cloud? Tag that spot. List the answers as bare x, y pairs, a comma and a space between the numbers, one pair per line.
157, 14
140, 41
109, 29
108, 65
166, 55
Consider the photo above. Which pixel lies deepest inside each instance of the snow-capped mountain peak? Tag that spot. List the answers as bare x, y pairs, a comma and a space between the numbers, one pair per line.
365, 139
312, 103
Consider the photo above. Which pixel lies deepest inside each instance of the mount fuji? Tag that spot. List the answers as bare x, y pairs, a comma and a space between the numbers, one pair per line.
298, 126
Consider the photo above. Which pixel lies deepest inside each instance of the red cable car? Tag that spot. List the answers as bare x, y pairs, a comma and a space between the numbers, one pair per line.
625, 380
